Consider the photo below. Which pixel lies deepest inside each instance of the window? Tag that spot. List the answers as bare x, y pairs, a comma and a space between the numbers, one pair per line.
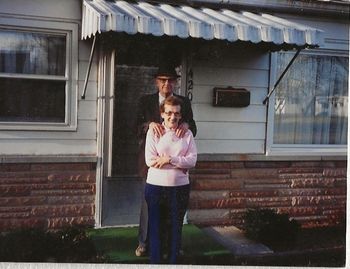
37, 84
310, 103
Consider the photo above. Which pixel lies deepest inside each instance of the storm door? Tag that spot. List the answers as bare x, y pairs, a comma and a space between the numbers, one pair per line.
134, 76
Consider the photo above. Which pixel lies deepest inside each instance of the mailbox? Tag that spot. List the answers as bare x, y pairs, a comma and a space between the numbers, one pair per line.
231, 97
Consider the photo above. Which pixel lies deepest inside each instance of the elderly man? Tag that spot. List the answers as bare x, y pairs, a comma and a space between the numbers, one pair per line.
148, 117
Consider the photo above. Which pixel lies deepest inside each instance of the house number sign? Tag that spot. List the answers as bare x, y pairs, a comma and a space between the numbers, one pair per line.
189, 91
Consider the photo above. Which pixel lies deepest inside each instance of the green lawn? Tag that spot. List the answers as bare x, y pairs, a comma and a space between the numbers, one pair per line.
118, 244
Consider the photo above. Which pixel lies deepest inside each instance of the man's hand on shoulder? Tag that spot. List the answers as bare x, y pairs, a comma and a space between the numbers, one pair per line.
181, 129
157, 128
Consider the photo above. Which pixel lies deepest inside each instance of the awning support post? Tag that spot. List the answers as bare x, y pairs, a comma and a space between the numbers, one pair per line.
281, 76
89, 67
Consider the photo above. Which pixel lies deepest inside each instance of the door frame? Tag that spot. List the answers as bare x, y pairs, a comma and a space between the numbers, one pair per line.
105, 108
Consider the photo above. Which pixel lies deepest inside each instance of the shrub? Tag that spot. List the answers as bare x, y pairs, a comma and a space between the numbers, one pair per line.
36, 245
31, 245
270, 228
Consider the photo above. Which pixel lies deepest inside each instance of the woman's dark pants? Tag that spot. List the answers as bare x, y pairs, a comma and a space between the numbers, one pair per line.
166, 210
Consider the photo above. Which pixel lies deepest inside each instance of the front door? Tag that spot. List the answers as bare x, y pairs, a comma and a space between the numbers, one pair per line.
134, 76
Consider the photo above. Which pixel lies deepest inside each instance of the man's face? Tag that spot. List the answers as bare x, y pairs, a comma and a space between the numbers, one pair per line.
165, 85
171, 116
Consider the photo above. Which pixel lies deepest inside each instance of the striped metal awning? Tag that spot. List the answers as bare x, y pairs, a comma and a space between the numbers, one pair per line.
184, 21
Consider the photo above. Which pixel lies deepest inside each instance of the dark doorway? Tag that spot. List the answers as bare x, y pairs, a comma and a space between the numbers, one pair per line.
136, 65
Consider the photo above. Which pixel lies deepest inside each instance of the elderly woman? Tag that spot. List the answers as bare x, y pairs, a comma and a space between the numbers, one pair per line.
167, 186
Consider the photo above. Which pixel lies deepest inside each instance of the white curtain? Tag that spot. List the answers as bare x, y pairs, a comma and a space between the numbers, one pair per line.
32, 53
311, 100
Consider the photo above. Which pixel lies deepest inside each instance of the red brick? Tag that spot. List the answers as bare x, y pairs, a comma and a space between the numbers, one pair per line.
336, 172
15, 209
328, 164
63, 211
214, 222
300, 170
58, 223
268, 202
19, 180
209, 176
298, 211
9, 224
218, 203
318, 200
340, 182
266, 183
270, 164
71, 199
307, 164
257, 193
236, 165
72, 177
63, 192
254, 173
210, 171
10, 167
14, 215
213, 165
300, 176
61, 167
22, 201
217, 184
335, 191
21, 174
337, 212
63, 186
340, 164
14, 190
312, 183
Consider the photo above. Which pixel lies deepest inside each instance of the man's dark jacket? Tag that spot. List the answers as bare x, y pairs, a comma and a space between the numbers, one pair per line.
147, 112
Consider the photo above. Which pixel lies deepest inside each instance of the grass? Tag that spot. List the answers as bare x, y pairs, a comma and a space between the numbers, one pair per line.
315, 247
118, 245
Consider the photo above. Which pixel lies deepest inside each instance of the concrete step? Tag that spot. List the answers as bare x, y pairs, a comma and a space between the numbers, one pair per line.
234, 240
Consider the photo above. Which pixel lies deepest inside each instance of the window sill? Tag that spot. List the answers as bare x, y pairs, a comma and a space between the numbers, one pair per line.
30, 126
262, 157
307, 150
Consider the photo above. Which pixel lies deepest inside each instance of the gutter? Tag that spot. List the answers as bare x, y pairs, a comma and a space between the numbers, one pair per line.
333, 9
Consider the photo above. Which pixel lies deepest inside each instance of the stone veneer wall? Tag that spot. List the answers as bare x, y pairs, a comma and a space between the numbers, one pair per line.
47, 195
312, 192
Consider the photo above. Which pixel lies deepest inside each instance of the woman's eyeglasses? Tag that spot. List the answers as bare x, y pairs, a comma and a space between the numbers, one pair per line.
170, 113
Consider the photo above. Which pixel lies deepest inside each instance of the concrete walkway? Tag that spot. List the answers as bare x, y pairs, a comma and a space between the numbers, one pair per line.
234, 240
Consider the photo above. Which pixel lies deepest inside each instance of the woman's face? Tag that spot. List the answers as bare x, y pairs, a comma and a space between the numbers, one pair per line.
171, 116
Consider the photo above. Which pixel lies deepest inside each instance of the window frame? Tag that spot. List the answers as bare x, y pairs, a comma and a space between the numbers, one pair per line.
70, 31
298, 149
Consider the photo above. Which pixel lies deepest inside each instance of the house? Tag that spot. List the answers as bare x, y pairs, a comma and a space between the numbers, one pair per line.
71, 72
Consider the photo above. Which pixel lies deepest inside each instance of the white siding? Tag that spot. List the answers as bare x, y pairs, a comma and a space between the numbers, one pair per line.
225, 129
336, 33
81, 141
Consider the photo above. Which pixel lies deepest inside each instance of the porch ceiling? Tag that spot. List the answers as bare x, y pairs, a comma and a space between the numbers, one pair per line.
184, 22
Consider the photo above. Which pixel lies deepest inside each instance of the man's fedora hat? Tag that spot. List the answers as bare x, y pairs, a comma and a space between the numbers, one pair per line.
167, 70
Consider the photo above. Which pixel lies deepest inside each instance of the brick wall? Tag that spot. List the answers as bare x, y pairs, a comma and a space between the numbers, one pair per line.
312, 192
47, 195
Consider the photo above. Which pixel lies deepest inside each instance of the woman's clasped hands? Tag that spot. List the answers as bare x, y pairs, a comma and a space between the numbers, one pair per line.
160, 161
